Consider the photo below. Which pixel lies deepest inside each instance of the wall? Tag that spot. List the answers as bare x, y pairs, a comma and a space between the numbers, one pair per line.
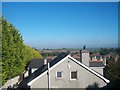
11, 82
84, 79
26, 74
98, 69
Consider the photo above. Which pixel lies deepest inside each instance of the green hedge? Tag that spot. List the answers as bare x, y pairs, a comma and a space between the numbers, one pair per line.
15, 54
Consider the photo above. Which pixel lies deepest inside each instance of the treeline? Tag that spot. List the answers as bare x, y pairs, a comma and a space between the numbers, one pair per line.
15, 54
112, 72
104, 51
50, 54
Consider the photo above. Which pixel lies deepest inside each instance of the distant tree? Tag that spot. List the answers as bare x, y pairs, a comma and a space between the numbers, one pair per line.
91, 52
112, 70
64, 48
104, 51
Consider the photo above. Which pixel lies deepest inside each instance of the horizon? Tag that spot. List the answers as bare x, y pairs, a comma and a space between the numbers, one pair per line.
77, 48
65, 25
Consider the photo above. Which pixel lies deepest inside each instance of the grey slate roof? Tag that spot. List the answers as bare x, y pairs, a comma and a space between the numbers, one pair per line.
40, 70
59, 58
96, 64
36, 63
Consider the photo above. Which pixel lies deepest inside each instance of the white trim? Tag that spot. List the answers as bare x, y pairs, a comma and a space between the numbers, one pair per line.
70, 75
89, 69
98, 67
59, 62
29, 84
68, 56
61, 75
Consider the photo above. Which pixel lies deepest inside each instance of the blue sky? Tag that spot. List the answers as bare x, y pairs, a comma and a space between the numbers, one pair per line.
65, 25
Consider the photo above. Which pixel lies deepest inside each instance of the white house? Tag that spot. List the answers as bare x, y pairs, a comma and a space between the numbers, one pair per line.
66, 72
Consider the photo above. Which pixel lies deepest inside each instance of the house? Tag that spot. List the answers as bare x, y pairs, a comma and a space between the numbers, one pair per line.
77, 57
34, 65
66, 72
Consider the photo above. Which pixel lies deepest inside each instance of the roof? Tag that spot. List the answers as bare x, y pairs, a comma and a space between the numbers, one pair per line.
43, 70
36, 63
32, 76
96, 64
59, 58
92, 55
76, 56
89, 69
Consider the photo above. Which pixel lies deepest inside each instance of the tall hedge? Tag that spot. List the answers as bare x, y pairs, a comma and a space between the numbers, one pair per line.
0, 52
15, 54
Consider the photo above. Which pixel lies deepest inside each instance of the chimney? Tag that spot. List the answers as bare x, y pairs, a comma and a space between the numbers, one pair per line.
101, 58
85, 58
45, 61
104, 61
95, 58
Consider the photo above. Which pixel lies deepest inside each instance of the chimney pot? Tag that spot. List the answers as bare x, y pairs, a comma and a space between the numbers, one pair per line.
45, 61
101, 58
105, 61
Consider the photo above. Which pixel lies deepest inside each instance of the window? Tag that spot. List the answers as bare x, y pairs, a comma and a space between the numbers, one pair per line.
73, 75
59, 75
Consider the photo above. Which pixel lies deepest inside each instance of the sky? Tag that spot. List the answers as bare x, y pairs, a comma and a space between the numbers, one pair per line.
64, 24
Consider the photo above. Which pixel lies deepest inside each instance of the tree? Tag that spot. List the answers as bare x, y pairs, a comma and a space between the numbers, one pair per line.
112, 69
112, 72
0, 52
15, 54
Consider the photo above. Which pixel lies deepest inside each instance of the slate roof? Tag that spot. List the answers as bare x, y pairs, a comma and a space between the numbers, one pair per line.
32, 76
57, 59
96, 64
42, 69
36, 63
